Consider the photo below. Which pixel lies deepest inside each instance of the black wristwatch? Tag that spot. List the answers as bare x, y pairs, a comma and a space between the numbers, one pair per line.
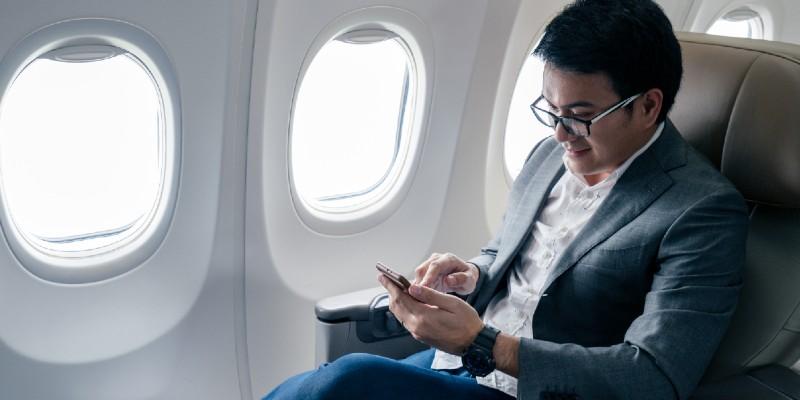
479, 357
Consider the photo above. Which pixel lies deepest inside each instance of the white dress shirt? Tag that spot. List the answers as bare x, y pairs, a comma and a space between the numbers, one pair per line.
570, 205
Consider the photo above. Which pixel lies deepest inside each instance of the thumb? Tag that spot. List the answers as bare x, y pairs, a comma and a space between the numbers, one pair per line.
457, 279
433, 297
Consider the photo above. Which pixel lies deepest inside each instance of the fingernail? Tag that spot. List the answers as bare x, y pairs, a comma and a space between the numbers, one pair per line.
415, 290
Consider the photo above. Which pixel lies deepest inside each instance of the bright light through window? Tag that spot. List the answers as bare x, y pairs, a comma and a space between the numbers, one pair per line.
350, 127
81, 151
523, 131
741, 22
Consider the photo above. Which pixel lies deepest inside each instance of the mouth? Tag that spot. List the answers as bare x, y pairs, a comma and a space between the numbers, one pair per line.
577, 152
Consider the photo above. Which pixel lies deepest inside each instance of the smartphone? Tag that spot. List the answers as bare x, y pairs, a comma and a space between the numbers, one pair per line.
393, 276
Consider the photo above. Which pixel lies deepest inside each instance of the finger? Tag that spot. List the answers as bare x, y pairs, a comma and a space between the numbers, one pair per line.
400, 303
390, 287
456, 280
395, 295
420, 271
434, 298
433, 275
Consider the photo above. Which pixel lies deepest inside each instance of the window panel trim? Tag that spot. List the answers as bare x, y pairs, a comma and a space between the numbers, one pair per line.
415, 37
100, 33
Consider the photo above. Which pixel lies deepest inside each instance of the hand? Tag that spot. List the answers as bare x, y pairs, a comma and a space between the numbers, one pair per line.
440, 320
447, 273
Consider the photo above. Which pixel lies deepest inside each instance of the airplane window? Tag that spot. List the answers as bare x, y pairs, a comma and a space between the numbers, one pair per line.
742, 22
350, 131
82, 150
523, 131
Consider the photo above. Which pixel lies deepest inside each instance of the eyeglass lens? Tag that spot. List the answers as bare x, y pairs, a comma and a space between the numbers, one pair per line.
572, 126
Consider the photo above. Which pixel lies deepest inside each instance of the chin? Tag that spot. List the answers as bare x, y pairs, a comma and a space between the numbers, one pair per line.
581, 168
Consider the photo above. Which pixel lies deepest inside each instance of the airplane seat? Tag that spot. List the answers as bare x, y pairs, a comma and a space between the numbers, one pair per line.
739, 105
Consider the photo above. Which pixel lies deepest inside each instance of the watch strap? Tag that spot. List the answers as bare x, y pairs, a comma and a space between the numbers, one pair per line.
486, 338
478, 359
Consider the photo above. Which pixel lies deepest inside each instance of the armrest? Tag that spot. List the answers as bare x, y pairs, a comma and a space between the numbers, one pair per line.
360, 322
353, 306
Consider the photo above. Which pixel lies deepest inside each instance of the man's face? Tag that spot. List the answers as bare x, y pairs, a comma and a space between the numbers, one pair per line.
614, 138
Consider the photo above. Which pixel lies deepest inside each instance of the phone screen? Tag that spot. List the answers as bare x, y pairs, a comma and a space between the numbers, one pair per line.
393, 276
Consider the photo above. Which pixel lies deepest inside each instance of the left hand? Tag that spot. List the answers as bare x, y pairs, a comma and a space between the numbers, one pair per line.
447, 273
441, 320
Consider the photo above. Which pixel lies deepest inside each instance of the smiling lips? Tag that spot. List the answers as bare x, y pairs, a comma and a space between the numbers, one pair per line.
576, 152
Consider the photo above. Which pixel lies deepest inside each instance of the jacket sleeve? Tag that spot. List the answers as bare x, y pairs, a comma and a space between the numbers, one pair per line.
686, 312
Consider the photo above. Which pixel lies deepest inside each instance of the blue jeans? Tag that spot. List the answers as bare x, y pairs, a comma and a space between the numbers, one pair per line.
367, 376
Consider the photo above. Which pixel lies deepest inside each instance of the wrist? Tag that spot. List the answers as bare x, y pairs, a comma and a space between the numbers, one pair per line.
478, 359
506, 354
472, 337
474, 269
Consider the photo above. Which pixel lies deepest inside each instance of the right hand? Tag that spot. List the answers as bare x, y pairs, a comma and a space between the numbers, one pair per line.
447, 273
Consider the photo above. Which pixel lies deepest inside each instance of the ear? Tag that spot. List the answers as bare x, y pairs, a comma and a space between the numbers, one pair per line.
650, 106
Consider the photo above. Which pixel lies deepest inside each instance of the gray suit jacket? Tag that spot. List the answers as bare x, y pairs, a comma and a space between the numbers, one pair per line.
637, 304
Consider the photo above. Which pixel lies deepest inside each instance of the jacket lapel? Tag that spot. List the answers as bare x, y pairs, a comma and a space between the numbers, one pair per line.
644, 181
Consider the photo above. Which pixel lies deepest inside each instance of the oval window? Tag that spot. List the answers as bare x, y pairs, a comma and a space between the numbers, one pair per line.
351, 129
82, 150
742, 22
523, 130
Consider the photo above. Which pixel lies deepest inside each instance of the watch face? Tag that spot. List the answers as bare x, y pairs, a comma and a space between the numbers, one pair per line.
478, 361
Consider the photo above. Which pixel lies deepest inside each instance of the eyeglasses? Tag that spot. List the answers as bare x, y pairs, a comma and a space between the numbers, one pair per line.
574, 126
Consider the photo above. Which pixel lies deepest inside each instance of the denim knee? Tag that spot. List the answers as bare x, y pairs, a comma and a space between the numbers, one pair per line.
348, 376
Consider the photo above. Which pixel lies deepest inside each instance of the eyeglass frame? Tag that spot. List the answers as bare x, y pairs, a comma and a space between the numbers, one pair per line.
587, 123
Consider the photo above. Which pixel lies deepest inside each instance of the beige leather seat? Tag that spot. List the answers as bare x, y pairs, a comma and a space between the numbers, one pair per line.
739, 104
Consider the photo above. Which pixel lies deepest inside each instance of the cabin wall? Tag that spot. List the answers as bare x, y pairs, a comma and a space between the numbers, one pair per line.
225, 307
172, 327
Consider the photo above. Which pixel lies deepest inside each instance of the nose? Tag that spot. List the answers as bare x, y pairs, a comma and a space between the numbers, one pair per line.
562, 135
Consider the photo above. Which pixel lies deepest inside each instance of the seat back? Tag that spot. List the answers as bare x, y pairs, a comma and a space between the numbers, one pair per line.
739, 104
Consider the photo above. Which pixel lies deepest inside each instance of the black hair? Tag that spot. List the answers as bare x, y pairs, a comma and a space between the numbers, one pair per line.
630, 41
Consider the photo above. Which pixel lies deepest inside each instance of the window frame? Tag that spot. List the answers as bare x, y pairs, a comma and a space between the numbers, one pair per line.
764, 21
510, 178
128, 253
351, 220
379, 187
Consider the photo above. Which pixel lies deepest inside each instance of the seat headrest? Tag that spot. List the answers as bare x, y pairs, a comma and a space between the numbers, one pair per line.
739, 105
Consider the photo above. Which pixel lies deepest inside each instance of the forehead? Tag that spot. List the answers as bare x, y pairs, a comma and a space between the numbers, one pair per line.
562, 87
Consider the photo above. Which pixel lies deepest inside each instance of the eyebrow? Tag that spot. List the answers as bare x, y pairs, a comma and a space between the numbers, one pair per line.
579, 103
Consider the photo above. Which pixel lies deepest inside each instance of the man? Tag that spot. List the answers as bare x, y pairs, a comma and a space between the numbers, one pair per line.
617, 267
